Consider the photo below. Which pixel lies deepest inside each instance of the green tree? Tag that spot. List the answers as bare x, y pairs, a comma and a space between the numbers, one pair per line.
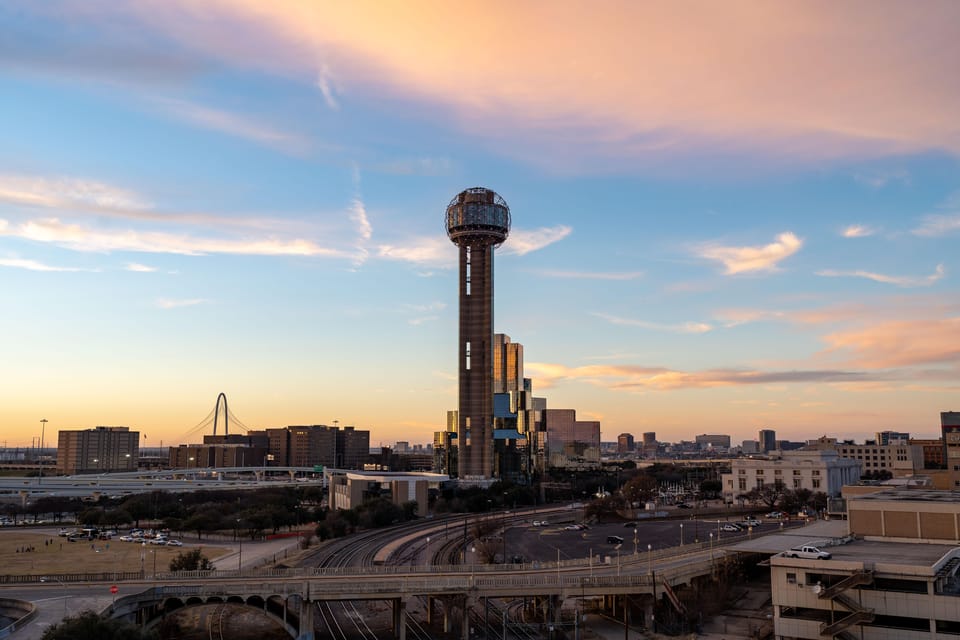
90, 626
192, 560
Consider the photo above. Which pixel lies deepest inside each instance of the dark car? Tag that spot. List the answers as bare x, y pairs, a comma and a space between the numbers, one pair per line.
683, 505
614, 540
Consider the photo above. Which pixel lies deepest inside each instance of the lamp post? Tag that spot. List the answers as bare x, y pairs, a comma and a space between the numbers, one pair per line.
711, 545
143, 551
681, 534
650, 559
427, 563
240, 554
634, 541
43, 428
45, 579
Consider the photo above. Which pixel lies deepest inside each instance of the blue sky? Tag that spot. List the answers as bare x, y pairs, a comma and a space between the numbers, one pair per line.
724, 218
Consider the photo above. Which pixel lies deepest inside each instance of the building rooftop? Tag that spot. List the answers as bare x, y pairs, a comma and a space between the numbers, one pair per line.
912, 495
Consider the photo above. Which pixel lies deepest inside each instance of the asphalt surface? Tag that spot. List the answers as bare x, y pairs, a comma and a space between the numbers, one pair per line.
546, 543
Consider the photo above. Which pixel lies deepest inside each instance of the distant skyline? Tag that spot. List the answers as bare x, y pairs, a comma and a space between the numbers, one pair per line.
726, 217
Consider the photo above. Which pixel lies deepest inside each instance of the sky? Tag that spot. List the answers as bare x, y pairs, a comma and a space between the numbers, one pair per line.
726, 216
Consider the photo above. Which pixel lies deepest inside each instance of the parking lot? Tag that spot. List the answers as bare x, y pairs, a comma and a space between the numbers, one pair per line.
547, 543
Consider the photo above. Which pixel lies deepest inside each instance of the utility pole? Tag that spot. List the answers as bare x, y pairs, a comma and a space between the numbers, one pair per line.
43, 428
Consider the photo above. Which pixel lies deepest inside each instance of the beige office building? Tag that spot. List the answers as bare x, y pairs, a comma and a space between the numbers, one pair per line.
98, 450
896, 580
900, 458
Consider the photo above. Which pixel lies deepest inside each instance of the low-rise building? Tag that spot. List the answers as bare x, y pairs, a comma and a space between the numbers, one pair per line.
899, 457
349, 489
895, 576
817, 470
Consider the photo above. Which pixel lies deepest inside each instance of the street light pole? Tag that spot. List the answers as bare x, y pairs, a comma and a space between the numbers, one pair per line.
681, 534
43, 428
45, 578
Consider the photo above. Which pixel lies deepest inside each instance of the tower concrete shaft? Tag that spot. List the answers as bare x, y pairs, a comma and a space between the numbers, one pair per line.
475, 431
478, 220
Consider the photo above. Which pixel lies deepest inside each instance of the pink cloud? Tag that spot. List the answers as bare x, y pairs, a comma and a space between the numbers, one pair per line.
632, 80
902, 343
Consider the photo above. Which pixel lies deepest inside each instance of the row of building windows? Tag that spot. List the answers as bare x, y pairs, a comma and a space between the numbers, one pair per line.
778, 472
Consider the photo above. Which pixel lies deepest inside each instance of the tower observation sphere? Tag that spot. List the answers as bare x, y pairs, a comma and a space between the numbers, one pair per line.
478, 215
477, 221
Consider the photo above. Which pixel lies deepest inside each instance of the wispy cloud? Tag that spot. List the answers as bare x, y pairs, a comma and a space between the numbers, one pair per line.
683, 327
80, 238
236, 125
748, 259
938, 225
434, 250
638, 378
424, 166
33, 265
139, 268
67, 193
523, 241
167, 303
857, 231
900, 281
882, 177
735, 317
437, 251
324, 83
589, 275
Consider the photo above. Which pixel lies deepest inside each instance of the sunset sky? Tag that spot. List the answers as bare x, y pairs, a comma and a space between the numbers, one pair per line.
726, 216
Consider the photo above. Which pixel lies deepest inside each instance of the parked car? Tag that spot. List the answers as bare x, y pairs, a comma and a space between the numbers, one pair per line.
731, 527
774, 515
174, 543
751, 522
614, 540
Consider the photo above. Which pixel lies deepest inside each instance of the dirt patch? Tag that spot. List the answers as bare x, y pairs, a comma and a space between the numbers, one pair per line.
31, 553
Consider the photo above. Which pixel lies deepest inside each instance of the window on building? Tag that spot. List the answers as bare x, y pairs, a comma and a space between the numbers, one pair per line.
759, 472
743, 484
816, 472
791, 578
796, 472
778, 472
816, 483
797, 483
742, 472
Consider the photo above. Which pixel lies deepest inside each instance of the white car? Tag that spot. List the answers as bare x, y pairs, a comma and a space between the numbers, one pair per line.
731, 528
158, 541
126, 538
174, 543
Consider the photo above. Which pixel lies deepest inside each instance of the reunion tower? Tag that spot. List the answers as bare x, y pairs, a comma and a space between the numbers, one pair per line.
478, 221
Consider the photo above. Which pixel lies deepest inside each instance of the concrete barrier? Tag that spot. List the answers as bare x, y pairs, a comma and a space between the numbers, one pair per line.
20, 611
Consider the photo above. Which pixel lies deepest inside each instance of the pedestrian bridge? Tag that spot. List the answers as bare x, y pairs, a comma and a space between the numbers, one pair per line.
289, 595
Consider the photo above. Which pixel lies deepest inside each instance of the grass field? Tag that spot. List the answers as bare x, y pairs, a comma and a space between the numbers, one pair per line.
60, 556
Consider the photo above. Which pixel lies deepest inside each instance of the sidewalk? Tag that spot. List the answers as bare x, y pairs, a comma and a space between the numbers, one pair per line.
256, 554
